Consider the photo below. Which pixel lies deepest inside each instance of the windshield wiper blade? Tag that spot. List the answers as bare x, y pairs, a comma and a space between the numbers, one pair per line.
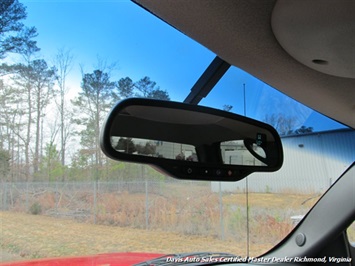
184, 258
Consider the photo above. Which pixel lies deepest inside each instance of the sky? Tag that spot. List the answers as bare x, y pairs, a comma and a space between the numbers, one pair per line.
119, 32
139, 44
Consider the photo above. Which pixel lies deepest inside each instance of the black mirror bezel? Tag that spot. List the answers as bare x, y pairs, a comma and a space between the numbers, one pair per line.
186, 169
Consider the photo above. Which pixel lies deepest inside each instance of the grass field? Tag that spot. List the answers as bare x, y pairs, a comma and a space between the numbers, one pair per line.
33, 236
6, 256
29, 236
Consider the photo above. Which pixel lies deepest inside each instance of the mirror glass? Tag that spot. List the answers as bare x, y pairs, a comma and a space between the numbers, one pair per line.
177, 136
232, 152
154, 148
236, 153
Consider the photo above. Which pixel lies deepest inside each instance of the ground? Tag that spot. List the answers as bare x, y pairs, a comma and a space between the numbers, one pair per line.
26, 236
6, 256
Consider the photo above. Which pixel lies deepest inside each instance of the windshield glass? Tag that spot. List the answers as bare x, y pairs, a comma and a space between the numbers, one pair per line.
59, 191
317, 150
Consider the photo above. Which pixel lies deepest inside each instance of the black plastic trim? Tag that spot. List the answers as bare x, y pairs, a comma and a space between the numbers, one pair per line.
177, 169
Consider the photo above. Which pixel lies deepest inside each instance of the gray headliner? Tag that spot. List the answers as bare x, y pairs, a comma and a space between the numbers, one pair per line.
240, 33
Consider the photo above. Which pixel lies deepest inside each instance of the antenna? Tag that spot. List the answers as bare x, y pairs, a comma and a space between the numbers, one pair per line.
246, 183
245, 107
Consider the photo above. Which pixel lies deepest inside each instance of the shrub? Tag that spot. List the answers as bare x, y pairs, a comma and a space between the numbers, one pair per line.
36, 208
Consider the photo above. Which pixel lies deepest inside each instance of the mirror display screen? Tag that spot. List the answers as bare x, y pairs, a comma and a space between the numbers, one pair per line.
236, 153
189, 141
232, 152
155, 148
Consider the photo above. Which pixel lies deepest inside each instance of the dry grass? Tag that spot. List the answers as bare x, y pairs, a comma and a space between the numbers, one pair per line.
272, 200
181, 218
33, 236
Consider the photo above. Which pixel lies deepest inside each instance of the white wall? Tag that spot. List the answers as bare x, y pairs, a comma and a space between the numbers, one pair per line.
310, 168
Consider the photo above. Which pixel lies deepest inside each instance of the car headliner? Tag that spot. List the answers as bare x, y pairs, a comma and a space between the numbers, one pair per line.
243, 33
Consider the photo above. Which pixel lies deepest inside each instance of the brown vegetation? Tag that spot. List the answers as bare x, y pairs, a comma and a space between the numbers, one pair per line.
173, 218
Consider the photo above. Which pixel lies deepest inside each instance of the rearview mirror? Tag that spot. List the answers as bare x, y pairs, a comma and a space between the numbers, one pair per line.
190, 141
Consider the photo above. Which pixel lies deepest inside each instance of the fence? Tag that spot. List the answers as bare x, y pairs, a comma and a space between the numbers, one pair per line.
98, 202
185, 207
71, 199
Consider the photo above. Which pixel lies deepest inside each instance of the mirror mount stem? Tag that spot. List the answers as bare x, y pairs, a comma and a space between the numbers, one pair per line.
207, 81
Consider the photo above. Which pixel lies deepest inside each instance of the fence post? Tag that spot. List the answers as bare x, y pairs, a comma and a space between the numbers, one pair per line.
10, 202
2, 196
56, 193
95, 199
146, 198
5, 196
221, 218
27, 197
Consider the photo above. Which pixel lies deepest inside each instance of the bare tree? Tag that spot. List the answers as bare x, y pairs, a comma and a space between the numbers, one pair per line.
284, 125
93, 103
32, 85
63, 62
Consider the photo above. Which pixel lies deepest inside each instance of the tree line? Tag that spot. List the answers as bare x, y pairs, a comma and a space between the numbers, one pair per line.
286, 125
45, 136
38, 123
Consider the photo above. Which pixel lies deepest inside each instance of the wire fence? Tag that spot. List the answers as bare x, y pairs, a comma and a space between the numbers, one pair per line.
186, 207
73, 199
117, 203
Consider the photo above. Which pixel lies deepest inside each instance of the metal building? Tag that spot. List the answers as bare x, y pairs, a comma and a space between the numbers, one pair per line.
312, 162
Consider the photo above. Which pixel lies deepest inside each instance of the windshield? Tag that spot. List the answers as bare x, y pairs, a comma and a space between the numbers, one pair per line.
59, 191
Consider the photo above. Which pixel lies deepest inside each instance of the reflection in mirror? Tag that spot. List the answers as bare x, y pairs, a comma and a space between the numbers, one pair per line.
190, 142
236, 153
154, 148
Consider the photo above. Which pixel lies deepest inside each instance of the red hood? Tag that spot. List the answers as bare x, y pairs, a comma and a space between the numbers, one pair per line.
113, 259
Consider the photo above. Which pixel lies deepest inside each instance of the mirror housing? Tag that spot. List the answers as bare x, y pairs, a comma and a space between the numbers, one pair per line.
189, 141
